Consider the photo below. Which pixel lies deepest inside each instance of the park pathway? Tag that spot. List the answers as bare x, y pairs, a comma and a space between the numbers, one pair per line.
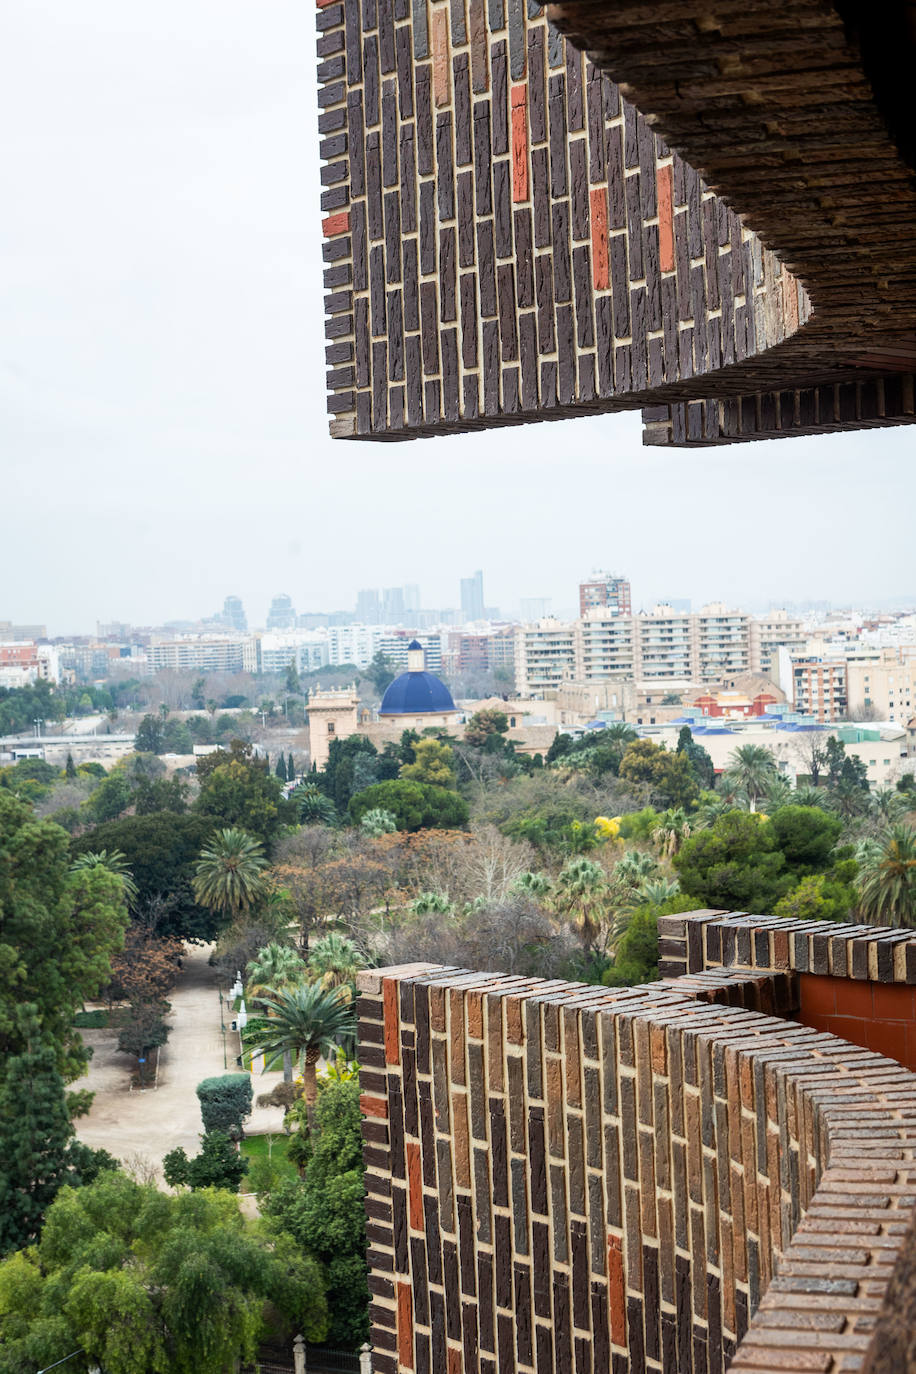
140, 1127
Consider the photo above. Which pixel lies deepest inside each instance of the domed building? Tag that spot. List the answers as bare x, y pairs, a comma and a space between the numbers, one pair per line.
417, 699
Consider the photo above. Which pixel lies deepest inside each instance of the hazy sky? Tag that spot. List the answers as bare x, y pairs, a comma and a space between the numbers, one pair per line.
162, 420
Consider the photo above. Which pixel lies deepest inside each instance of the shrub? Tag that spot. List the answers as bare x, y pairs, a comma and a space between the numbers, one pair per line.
219, 1164
224, 1102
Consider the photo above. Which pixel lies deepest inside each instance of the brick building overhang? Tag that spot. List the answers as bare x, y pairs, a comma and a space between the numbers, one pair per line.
687, 1176
517, 232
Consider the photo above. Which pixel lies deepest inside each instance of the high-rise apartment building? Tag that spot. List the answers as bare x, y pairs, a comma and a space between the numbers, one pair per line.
472, 607
234, 614
393, 608
367, 606
282, 614
886, 689
821, 689
607, 590
545, 655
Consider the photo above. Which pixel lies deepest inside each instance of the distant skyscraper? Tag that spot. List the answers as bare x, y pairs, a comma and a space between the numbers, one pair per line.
472, 596
234, 614
607, 590
534, 608
393, 606
282, 614
411, 597
367, 607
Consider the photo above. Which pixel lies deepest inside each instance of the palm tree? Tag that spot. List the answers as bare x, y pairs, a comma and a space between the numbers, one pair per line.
534, 884
335, 961
710, 812
308, 1021
635, 865
315, 806
228, 874
431, 904
889, 805
751, 770
580, 890
115, 862
274, 966
779, 793
672, 829
655, 891
887, 883
812, 796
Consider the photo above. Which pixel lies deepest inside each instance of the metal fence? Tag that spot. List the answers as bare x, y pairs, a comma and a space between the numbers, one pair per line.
318, 1360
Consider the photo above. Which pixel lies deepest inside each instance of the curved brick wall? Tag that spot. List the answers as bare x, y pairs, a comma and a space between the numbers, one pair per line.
507, 239
567, 1178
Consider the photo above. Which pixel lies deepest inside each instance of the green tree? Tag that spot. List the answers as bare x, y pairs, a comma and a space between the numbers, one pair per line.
58, 932
225, 1101
432, 764
668, 774
38, 1154
143, 1283
293, 684
280, 770
380, 672
887, 883
581, 889
274, 966
324, 1211
700, 761
750, 769
219, 1164
161, 851
228, 877
315, 807
806, 835
735, 865
70, 768
818, 897
199, 693
334, 962
112, 797
242, 794
414, 805
308, 1021
290, 768
483, 724
148, 739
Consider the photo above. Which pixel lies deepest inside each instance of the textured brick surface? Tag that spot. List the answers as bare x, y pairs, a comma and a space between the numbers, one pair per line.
631, 1179
510, 239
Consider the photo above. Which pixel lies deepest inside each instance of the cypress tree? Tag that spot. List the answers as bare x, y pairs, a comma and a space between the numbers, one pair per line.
290, 768
70, 770
280, 769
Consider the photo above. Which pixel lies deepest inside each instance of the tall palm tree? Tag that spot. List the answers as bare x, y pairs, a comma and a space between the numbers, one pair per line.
335, 961
751, 768
779, 793
534, 884
228, 874
580, 891
889, 805
115, 862
308, 1021
315, 806
887, 883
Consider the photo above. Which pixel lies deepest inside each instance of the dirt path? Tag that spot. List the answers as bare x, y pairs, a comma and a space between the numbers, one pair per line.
142, 1126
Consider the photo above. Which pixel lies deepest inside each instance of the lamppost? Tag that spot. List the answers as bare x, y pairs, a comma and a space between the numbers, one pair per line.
38, 722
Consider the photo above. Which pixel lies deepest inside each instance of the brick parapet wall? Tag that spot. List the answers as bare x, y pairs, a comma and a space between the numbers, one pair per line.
562, 1177
507, 239
702, 940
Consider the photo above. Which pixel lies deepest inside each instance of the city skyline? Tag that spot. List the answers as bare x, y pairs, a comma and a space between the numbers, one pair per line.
161, 380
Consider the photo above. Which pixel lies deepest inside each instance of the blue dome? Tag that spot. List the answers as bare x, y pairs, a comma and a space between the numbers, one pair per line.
412, 694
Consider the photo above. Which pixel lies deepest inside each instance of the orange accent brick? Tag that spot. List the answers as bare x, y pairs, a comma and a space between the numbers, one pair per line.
474, 1009
392, 1030
790, 297
892, 1001
601, 275
817, 996
854, 998
455, 1361
886, 1037
520, 142
664, 179
373, 1106
336, 224
414, 1187
616, 1291
322, 3
405, 1326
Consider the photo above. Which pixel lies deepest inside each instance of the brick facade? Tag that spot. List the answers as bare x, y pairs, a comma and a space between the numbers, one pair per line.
506, 238
569, 1178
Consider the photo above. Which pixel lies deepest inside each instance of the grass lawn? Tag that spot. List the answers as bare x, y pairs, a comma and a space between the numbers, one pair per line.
256, 1147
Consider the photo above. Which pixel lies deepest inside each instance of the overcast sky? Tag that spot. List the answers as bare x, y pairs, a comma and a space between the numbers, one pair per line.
162, 419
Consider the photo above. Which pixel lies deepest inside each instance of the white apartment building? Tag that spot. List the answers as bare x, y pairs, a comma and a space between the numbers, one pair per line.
202, 654
307, 649
356, 644
662, 646
545, 655
395, 648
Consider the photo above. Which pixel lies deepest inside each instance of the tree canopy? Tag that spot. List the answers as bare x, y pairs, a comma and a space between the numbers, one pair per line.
143, 1283
414, 805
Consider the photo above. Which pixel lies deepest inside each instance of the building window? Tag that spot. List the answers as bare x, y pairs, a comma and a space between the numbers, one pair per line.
330, 727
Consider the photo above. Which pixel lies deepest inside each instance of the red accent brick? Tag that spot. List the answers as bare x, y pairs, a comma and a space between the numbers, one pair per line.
892, 1001
392, 1037
600, 269
336, 224
817, 995
373, 1106
520, 142
414, 1187
853, 998
405, 1326
885, 1038
616, 1291
666, 219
